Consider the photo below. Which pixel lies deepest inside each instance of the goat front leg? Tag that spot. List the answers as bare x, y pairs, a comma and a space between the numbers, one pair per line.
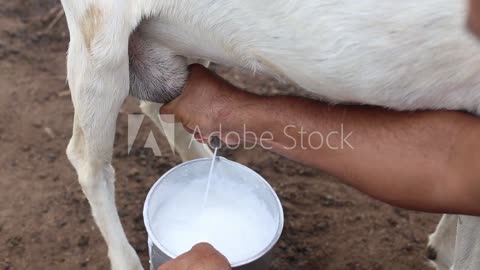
98, 79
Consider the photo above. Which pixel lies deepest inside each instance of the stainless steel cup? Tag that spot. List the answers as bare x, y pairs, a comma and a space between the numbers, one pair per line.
171, 182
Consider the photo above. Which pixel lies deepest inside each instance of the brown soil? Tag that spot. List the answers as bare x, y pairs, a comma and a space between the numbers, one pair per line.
45, 221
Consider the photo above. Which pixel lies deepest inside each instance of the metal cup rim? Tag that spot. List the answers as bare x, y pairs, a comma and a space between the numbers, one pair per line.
259, 255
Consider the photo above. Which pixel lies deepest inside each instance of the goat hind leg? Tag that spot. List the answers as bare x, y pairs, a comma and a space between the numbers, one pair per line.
179, 139
441, 244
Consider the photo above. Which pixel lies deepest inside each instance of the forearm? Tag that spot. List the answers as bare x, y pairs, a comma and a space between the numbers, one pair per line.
423, 161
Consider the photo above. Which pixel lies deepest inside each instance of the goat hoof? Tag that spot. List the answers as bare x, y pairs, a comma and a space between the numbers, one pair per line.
431, 253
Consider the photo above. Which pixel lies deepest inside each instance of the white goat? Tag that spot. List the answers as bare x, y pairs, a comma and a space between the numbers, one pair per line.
404, 55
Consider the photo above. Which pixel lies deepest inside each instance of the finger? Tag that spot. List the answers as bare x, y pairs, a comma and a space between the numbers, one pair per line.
202, 256
168, 108
170, 265
199, 138
167, 113
187, 129
203, 248
187, 261
210, 258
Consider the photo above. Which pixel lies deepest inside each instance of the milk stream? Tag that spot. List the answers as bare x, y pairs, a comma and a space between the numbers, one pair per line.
209, 180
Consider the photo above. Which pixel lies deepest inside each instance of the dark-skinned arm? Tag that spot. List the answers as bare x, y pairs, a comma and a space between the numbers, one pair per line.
428, 161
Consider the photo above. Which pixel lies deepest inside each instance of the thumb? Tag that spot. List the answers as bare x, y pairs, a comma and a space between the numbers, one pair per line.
167, 110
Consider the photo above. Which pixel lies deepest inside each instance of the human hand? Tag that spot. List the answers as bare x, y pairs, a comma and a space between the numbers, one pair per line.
201, 257
207, 102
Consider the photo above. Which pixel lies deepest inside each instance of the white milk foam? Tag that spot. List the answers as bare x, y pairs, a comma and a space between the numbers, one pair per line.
234, 220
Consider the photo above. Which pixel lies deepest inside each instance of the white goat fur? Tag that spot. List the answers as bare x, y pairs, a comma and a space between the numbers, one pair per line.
404, 55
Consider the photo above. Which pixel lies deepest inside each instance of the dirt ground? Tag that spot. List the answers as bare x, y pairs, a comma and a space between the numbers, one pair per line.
45, 221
